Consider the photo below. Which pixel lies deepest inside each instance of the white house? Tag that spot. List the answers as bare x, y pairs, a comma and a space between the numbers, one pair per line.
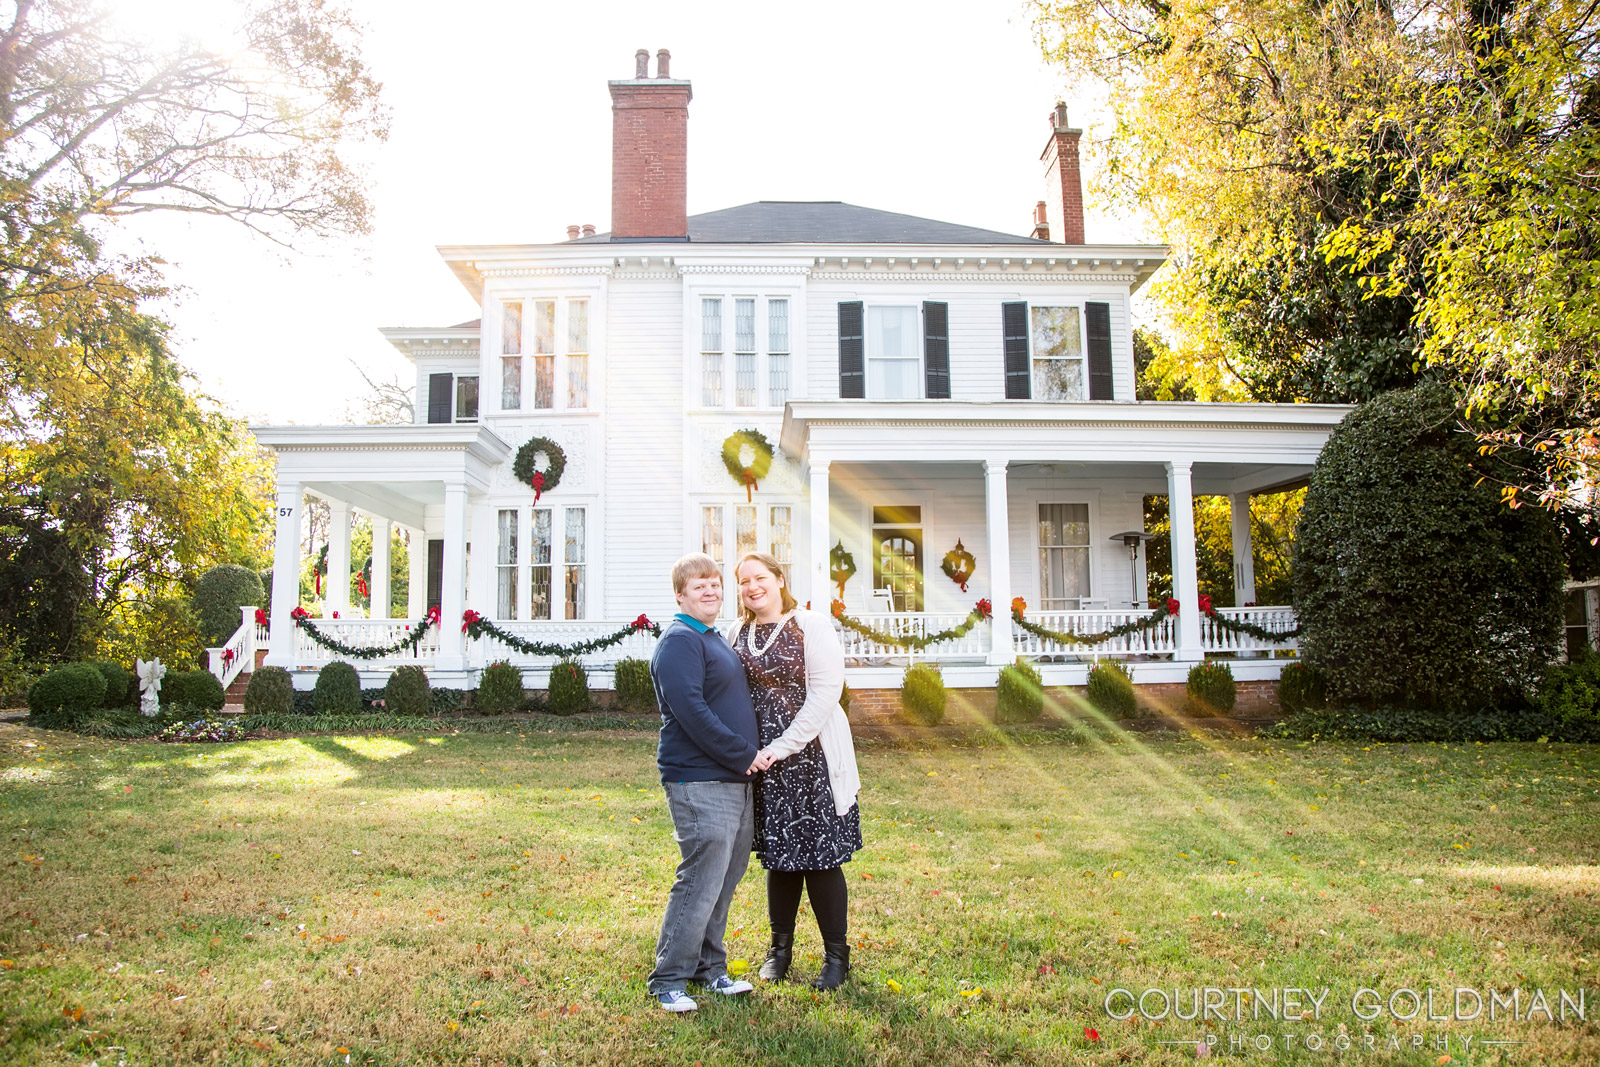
922, 383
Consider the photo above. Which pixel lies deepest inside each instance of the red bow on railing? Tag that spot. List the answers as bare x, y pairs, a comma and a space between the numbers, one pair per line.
227, 657
1205, 604
1018, 605
985, 608
299, 613
469, 617
837, 607
433, 615
261, 616
643, 622
1172, 605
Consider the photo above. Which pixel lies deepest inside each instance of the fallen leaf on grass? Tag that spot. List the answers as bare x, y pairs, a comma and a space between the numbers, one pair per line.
1091, 1033
893, 986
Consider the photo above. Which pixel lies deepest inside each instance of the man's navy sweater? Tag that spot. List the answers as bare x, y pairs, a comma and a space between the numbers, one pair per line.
708, 726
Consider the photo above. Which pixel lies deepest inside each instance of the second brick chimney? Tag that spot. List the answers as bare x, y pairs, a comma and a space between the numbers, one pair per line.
1063, 202
650, 153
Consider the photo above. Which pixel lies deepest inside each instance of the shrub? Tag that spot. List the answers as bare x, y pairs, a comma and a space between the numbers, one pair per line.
922, 695
270, 692
1414, 584
121, 685
569, 688
218, 596
1211, 689
499, 690
199, 690
17, 674
67, 692
1019, 695
634, 687
338, 690
1571, 692
446, 701
1110, 690
1301, 689
407, 691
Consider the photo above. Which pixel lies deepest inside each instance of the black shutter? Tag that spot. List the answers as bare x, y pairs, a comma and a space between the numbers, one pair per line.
441, 400
1014, 324
435, 572
1097, 321
936, 350
852, 359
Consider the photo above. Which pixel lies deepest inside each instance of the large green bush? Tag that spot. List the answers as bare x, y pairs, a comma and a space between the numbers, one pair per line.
338, 690
64, 694
1110, 690
270, 692
1019, 695
407, 691
1210, 688
194, 690
922, 694
634, 687
218, 596
1414, 584
569, 688
500, 690
121, 685
1571, 692
1301, 689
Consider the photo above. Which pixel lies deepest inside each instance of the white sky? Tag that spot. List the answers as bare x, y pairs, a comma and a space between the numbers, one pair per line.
502, 133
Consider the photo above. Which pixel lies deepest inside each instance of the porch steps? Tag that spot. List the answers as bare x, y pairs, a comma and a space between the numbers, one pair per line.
234, 694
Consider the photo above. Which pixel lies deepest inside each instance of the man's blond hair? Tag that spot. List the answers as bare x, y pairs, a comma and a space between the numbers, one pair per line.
694, 565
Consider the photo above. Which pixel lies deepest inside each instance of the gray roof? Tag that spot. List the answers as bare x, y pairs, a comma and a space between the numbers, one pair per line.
823, 222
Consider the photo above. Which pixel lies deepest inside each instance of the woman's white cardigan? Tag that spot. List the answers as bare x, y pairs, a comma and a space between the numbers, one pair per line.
820, 716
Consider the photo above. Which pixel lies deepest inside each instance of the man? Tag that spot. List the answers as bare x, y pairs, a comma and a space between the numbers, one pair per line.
706, 755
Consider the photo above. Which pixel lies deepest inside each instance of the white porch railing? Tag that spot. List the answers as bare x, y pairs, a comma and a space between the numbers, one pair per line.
1160, 639
489, 649
365, 633
242, 645
861, 650
1215, 638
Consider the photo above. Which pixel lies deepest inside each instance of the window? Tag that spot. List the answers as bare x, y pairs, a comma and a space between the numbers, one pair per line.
511, 356
1580, 621
777, 351
711, 539
894, 365
897, 555
506, 567
1063, 556
467, 398
577, 353
539, 598
711, 352
544, 358
576, 560
726, 545
1057, 354
744, 531
744, 349
781, 538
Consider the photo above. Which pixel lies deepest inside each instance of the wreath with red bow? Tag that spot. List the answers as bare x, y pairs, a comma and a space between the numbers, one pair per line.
959, 565
526, 470
747, 474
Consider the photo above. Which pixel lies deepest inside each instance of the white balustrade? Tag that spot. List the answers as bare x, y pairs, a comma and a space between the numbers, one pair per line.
862, 650
238, 651
365, 633
490, 649
1160, 638
1216, 638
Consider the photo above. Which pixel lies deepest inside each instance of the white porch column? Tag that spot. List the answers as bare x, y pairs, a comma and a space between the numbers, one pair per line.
452, 587
1002, 650
380, 569
285, 577
336, 583
417, 589
1185, 571
820, 591
1244, 564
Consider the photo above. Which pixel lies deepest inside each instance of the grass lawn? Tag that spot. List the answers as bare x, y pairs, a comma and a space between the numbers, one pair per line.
494, 898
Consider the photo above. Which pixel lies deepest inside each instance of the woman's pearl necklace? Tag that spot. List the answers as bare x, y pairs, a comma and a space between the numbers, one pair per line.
750, 639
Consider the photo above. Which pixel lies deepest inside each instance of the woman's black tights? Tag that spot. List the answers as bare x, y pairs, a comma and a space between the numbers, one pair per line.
829, 900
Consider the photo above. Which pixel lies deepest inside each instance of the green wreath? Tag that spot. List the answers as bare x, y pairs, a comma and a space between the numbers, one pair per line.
542, 481
841, 565
959, 565
733, 458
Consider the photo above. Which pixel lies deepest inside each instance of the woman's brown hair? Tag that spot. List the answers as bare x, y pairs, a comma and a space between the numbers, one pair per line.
774, 567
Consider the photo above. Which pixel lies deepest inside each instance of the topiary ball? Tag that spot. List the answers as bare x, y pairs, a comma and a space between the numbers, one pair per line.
569, 688
407, 691
1211, 688
922, 695
338, 690
1019, 694
499, 690
218, 596
270, 692
1110, 690
120, 684
633, 685
67, 692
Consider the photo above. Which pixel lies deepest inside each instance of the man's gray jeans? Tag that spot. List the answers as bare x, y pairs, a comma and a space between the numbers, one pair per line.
713, 824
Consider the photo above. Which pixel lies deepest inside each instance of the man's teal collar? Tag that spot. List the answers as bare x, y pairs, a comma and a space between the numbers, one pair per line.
692, 621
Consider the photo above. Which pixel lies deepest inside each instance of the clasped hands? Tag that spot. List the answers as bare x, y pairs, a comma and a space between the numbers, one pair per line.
764, 759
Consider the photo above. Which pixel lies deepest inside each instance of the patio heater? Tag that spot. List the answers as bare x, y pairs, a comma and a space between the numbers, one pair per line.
1131, 539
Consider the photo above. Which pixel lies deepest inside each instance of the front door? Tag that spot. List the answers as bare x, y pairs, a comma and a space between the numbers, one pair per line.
897, 555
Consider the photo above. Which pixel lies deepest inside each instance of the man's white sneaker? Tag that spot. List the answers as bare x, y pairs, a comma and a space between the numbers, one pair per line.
728, 986
676, 1000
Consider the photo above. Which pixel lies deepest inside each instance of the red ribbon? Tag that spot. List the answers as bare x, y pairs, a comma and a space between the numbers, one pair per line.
749, 483
643, 623
1172, 605
227, 656
985, 608
361, 586
261, 616
537, 481
469, 617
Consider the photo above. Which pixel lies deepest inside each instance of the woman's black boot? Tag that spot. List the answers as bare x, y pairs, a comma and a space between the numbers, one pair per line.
776, 966
835, 964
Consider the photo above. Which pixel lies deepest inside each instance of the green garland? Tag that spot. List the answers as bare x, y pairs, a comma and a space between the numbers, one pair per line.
475, 625
975, 616
1260, 633
410, 642
1136, 626
760, 462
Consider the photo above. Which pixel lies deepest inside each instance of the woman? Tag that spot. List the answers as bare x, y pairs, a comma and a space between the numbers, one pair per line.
807, 822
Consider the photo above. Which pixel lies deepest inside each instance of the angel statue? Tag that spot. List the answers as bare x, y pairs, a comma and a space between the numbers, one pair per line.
150, 674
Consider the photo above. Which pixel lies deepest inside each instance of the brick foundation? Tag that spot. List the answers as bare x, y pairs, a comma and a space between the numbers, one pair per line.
1256, 700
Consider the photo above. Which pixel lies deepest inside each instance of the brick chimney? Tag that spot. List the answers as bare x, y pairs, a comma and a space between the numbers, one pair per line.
650, 152
1063, 184
1041, 222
